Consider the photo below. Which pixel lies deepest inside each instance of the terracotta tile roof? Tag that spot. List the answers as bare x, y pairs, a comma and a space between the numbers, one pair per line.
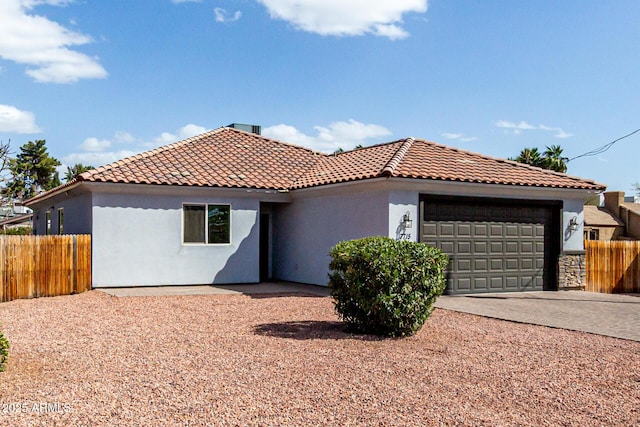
425, 159
224, 157
231, 158
417, 158
596, 215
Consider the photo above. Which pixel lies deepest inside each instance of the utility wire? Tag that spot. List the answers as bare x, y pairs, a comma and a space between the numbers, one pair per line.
604, 148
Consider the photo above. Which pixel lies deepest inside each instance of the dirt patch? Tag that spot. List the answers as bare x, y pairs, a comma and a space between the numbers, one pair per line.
93, 359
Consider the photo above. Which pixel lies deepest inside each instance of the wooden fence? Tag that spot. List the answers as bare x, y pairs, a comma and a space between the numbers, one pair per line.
613, 267
39, 266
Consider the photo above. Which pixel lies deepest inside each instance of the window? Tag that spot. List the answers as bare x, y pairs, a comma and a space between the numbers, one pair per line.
209, 224
48, 222
594, 234
60, 221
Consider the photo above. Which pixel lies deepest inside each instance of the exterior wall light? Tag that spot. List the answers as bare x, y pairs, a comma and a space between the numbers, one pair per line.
573, 224
406, 220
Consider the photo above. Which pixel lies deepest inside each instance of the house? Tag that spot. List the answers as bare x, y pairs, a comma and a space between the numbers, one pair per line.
600, 224
230, 206
625, 214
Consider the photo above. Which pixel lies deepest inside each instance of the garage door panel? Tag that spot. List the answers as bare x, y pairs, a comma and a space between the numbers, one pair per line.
526, 230
526, 247
480, 265
496, 230
512, 264
511, 231
480, 230
496, 247
447, 246
463, 230
464, 248
463, 284
446, 230
430, 230
480, 248
527, 264
480, 283
497, 264
492, 248
512, 282
511, 247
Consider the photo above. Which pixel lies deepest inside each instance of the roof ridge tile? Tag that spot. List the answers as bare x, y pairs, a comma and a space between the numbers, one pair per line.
396, 159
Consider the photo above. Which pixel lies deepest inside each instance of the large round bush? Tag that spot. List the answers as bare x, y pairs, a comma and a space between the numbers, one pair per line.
386, 287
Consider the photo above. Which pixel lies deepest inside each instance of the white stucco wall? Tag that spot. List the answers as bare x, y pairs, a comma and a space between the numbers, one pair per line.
137, 241
401, 203
317, 219
572, 240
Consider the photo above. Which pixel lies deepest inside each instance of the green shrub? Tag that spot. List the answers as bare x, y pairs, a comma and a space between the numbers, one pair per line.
4, 351
17, 231
386, 287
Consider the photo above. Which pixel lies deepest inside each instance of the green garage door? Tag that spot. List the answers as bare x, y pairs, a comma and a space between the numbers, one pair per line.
494, 245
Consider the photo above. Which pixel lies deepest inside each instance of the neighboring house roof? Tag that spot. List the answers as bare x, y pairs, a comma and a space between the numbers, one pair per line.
599, 216
634, 207
18, 219
227, 157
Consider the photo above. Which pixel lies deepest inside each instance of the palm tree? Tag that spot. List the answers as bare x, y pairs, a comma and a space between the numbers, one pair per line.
530, 156
554, 160
76, 170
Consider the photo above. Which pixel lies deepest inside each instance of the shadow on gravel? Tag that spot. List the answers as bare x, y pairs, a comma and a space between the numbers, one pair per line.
283, 294
311, 330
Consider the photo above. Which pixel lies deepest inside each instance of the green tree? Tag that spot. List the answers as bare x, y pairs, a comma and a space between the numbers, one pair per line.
551, 159
75, 170
32, 170
554, 160
530, 156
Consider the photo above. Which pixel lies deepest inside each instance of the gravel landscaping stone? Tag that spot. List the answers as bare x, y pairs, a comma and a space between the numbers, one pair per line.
94, 359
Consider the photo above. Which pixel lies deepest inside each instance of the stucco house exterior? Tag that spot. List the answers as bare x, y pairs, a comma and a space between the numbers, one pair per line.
618, 219
229, 206
600, 224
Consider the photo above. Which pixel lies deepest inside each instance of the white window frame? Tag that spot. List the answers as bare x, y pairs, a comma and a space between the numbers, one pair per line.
60, 220
206, 225
47, 223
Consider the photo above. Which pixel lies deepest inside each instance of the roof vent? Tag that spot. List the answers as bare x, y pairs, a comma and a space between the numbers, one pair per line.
247, 128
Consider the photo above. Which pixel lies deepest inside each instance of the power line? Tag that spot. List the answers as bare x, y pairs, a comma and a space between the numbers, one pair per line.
604, 148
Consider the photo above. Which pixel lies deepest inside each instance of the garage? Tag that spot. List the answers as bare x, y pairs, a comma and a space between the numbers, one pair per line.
494, 245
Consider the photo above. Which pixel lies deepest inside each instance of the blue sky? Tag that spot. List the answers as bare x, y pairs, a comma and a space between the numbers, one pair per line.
100, 80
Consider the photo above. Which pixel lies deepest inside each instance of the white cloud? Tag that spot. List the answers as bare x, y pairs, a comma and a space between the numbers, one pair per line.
223, 16
96, 159
17, 121
345, 135
124, 137
97, 152
44, 45
346, 18
459, 137
184, 132
95, 145
190, 130
517, 128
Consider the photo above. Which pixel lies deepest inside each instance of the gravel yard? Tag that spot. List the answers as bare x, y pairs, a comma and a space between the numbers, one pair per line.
93, 359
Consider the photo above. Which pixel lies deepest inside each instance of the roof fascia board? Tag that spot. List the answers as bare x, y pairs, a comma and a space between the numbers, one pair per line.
458, 188
63, 189
180, 190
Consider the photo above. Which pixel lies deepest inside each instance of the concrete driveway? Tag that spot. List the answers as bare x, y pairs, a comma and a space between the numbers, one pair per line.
603, 314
